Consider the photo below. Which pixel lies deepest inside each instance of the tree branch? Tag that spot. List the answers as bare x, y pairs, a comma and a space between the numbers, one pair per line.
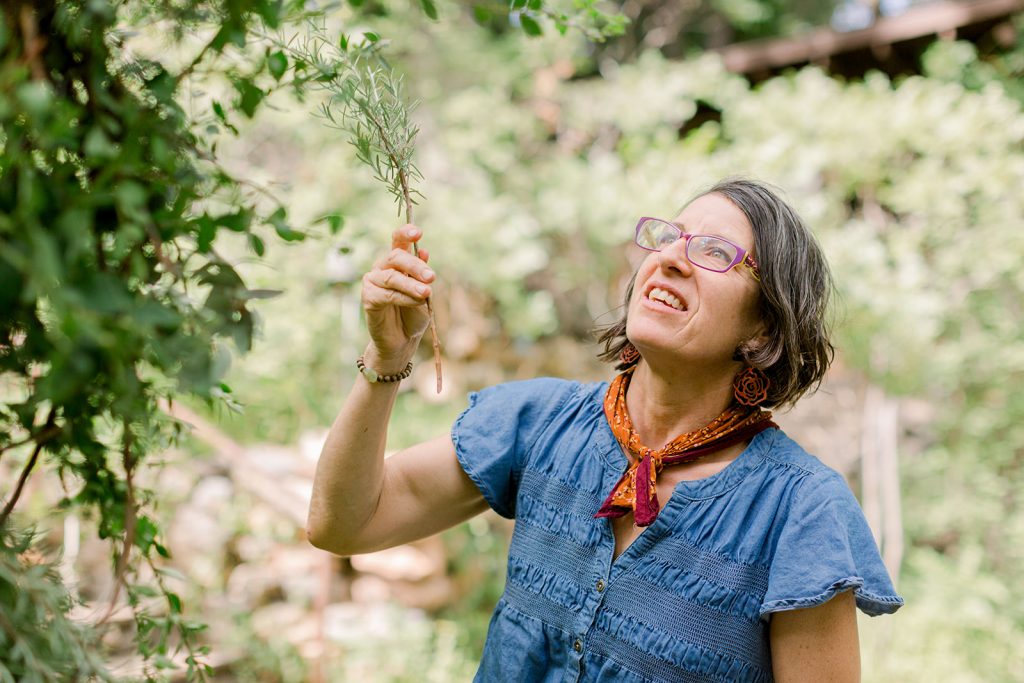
26, 471
129, 522
42, 436
34, 43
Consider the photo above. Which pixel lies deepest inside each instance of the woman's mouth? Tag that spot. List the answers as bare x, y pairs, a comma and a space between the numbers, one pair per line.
666, 298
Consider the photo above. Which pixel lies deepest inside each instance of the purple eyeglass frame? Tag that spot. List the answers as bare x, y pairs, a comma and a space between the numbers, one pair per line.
742, 256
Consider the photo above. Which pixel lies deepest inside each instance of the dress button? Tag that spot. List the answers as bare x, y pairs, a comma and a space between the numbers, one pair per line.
578, 645
600, 585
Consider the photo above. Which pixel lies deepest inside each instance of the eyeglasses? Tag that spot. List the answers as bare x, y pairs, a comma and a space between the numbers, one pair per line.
709, 252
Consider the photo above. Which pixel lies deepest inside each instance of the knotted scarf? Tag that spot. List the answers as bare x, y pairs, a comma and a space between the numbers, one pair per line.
636, 491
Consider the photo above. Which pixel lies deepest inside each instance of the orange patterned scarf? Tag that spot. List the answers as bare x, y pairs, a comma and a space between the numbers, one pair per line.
636, 491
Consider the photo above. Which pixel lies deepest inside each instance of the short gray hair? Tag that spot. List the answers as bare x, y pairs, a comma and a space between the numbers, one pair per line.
795, 290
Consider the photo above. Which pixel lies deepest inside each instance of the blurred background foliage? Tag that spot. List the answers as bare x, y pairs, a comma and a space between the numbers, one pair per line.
538, 152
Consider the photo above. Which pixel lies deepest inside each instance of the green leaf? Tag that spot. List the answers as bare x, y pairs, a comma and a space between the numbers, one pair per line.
172, 573
162, 84
131, 200
334, 221
98, 146
371, 36
429, 8
218, 111
175, 602
257, 245
238, 221
249, 96
270, 12
530, 25
517, 4
481, 14
36, 97
229, 33
205, 236
258, 294
145, 591
163, 662
277, 64
145, 533
242, 331
284, 231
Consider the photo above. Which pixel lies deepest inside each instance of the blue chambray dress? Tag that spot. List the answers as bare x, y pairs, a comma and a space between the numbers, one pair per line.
689, 599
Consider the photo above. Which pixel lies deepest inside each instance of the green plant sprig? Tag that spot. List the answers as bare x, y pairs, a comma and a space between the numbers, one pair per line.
365, 100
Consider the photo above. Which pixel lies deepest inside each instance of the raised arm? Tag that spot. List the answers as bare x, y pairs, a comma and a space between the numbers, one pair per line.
362, 502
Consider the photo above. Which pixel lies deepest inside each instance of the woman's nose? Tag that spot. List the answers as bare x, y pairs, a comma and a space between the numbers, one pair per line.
673, 257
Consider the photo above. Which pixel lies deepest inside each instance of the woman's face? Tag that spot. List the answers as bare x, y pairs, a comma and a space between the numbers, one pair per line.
717, 312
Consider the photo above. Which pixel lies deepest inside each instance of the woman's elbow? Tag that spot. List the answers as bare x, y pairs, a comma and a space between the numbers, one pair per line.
322, 537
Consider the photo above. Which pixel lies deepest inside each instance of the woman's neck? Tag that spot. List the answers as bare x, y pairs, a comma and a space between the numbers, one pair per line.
662, 406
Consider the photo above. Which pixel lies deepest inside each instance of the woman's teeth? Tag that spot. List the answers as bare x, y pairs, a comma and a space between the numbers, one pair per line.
658, 294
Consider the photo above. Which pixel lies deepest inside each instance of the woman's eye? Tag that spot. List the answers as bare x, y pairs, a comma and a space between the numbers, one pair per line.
717, 253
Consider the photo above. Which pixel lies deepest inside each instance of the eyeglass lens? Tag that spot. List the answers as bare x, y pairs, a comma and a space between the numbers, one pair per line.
705, 251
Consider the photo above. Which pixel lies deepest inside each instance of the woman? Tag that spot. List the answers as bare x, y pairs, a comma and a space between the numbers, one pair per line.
666, 529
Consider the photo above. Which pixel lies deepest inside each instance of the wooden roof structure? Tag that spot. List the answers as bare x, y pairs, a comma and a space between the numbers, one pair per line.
891, 44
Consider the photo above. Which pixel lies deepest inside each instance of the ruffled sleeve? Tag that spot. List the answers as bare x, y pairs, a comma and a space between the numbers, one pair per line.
826, 547
494, 435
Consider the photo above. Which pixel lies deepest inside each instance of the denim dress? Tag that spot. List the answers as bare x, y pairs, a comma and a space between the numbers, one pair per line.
689, 600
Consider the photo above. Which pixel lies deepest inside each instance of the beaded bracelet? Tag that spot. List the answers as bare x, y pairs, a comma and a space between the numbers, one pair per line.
373, 376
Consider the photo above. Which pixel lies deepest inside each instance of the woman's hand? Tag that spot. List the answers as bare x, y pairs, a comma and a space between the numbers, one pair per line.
395, 293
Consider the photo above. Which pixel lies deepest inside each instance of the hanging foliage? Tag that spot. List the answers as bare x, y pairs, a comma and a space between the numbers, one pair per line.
115, 292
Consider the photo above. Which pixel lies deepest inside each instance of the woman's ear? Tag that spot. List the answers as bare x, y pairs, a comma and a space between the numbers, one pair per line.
752, 347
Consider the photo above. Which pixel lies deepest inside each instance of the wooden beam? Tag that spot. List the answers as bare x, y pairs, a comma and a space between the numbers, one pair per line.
819, 44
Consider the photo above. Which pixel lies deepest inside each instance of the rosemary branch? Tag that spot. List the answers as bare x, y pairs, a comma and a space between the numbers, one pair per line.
403, 179
366, 101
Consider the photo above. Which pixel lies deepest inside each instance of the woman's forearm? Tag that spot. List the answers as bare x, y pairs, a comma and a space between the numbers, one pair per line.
350, 473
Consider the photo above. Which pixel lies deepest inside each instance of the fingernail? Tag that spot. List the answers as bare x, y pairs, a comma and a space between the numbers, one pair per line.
427, 272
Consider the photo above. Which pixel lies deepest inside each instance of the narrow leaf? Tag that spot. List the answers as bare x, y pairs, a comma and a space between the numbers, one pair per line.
257, 245
429, 8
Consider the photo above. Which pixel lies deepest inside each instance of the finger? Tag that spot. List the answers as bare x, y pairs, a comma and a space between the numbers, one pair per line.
403, 237
375, 298
406, 263
399, 282
424, 255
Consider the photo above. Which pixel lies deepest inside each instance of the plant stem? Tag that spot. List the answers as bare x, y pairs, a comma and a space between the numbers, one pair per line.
27, 470
129, 523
